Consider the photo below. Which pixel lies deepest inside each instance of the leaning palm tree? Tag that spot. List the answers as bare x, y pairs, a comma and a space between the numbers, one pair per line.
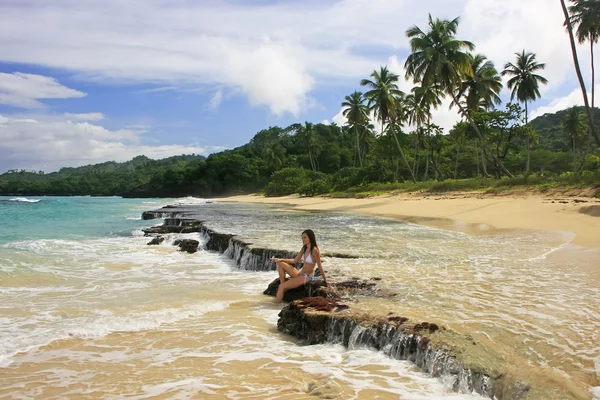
569, 25
525, 84
585, 16
439, 59
384, 99
357, 114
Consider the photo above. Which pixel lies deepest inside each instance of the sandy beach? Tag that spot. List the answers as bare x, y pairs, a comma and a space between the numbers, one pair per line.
576, 218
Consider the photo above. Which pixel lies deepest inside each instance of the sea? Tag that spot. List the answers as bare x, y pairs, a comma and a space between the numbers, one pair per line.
89, 310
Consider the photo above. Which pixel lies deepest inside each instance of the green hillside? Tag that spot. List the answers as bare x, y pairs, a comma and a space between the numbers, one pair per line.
316, 158
104, 179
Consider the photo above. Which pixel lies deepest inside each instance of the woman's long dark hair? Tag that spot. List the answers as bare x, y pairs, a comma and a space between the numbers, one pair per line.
313, 240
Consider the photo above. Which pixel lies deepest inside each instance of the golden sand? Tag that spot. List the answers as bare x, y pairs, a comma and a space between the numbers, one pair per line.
578, 217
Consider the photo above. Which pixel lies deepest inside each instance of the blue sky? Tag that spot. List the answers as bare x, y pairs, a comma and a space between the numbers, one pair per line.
86, 81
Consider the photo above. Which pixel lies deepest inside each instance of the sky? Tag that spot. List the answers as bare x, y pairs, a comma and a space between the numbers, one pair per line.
88, 81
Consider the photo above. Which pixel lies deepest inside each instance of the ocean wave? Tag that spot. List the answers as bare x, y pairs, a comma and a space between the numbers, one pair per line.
24, 200
100, 325
189, 200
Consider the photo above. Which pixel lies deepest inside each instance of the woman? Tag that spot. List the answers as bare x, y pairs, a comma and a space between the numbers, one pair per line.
310, 256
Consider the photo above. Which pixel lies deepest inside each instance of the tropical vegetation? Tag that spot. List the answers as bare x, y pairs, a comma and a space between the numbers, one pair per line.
389, 139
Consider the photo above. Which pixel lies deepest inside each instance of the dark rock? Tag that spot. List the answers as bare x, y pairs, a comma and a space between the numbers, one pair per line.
164, 229
189, 245
311, 289
303, 320
156, 240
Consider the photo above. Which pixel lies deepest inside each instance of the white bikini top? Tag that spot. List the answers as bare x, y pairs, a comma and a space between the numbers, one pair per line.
308, 259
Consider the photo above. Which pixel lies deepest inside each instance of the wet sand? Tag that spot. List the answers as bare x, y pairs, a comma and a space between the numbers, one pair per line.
575, 220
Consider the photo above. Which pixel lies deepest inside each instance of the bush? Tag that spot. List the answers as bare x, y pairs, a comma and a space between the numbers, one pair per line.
286, 181
348, 177
314, 188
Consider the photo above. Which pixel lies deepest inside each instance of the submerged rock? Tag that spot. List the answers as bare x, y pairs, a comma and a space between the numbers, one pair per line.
189, 245
157, 240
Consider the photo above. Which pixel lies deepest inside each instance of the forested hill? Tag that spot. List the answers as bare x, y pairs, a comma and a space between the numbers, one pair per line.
549, 127
104, 179
316, 158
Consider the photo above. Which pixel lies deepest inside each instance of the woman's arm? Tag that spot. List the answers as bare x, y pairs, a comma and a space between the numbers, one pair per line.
289, 260
317, 257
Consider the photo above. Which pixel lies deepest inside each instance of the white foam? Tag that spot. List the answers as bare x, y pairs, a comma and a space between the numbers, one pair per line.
23, 200
49, 328
190, 200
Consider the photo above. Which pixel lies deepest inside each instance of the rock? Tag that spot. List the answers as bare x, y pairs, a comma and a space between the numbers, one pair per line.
156, 240
164, 229
189, 245
314, 321
311, 289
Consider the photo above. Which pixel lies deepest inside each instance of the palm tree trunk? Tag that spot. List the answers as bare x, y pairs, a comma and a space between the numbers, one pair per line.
579, 76
574, 157
483, 142
402, 153
483, 162
527, 143
456, 163
593, 75
477, 157
426, 174
358, 146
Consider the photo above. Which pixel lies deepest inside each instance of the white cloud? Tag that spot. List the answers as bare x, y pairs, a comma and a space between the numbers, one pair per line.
575, 98
93, 116
273, 54
49, 143
24, 90
215, 101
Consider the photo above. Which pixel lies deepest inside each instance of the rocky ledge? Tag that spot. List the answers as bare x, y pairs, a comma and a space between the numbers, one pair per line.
319, 320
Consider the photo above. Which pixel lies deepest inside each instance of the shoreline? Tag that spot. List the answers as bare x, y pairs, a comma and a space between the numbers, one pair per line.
572, 220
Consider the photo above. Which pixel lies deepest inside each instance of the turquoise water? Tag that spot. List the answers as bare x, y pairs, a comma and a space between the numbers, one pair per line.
83, 297
30, 218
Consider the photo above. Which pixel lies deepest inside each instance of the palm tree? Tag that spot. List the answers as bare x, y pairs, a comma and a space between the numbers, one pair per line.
275, 156
418, 111
585, 15
569, 25
481, 90
575, 127
357, 114
525, 84
384, 99
309, 137
439, 59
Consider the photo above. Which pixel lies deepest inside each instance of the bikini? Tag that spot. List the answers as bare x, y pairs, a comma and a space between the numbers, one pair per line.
308, 260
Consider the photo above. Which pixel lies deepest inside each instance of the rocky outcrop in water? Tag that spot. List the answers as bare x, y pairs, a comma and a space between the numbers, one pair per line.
321, 320
156, 241
184, 219
187, 245
310, 289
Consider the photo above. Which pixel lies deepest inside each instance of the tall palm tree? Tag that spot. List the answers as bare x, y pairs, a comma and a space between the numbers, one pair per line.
438, 58
575, 127
585, 15
569, 25
384, 99
418, 110
525, 84
308, 135
357, 114
481, 90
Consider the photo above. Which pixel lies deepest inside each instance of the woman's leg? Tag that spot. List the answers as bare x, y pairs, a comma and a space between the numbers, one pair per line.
290, 284
284, 267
